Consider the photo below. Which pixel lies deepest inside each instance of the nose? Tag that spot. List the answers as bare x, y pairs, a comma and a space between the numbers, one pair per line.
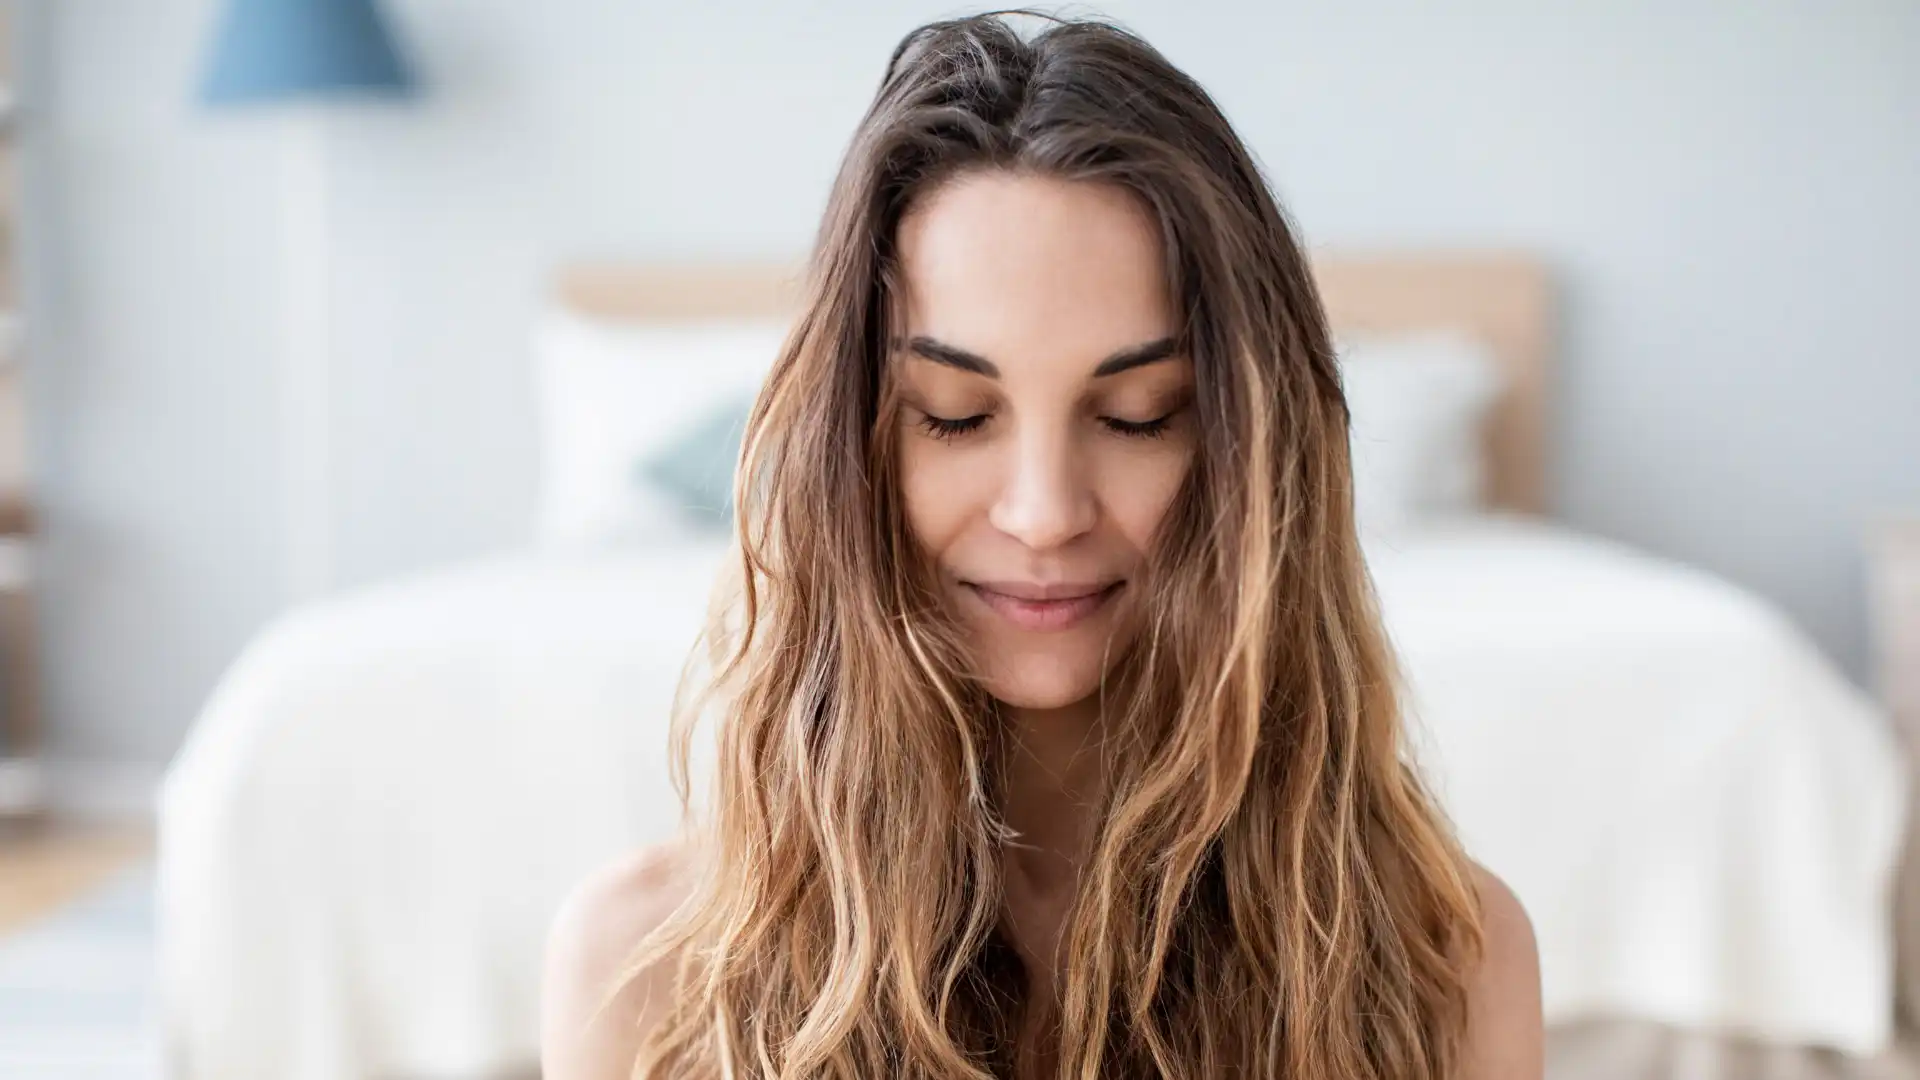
1045, 498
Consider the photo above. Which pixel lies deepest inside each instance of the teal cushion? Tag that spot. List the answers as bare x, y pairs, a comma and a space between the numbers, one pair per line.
695, 471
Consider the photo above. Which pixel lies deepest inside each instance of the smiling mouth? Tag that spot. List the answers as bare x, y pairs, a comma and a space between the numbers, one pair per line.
1043, 608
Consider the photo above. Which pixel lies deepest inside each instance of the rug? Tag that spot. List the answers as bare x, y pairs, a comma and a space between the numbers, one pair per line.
76, 988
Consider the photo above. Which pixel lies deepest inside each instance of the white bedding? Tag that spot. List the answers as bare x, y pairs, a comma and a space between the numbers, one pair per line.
372, 822
1699, 813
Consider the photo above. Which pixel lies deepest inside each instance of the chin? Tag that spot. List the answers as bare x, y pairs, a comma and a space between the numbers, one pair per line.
1043, 680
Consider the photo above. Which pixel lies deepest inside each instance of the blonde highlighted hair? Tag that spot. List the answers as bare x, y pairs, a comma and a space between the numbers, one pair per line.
1271, 892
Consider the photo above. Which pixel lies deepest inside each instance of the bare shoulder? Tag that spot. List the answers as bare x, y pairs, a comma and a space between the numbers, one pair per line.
586, 1034
1504, 1036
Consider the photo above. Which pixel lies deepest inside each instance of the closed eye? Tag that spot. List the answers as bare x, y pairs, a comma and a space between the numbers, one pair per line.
1140, 429
942, 428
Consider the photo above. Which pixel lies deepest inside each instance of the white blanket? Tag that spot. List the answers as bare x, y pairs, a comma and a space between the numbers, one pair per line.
371, 824
375, 816
1699, 813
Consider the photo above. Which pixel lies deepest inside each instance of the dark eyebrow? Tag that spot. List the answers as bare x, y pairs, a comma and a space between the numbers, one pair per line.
1125, 360
953, 356
1128, 359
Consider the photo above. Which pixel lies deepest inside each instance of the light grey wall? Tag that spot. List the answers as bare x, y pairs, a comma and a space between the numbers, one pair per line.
150, 335
1731, 194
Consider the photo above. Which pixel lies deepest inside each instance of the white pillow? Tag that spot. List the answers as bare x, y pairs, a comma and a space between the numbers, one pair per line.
610, 394
1419, 406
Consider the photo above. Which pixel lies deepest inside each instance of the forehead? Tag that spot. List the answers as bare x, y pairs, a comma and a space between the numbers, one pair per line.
1019, 268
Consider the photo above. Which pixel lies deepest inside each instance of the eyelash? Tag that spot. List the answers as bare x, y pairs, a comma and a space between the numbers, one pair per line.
942, 428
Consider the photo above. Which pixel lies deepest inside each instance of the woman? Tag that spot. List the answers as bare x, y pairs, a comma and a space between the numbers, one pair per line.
1060, 735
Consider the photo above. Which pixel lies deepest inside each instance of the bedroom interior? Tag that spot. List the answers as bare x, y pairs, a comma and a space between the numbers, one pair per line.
323, 838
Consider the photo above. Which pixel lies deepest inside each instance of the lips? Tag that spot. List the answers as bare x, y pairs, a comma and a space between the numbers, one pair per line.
1043, 607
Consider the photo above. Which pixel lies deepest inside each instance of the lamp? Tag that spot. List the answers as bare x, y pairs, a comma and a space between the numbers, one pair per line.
297, 52
270, 50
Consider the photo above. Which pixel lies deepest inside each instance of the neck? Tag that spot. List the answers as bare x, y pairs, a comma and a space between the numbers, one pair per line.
1055, 778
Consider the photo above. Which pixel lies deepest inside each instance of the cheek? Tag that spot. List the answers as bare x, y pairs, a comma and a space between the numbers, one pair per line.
936, 492
1138, 485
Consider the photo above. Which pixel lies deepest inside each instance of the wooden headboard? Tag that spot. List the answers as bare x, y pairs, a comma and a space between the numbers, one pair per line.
1501, 299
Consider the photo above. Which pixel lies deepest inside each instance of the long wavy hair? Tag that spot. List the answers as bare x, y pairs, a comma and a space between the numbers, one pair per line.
1271, 891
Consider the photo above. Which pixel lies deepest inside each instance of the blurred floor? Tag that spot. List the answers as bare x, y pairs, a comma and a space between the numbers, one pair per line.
77, 991
45, 864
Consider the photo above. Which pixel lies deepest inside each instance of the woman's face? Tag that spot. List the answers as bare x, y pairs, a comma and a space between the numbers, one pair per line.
1045, 425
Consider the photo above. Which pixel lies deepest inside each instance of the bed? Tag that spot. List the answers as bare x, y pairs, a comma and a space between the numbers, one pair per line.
389, 792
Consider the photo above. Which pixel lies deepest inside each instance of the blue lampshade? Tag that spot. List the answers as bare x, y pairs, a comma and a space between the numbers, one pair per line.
269, 50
